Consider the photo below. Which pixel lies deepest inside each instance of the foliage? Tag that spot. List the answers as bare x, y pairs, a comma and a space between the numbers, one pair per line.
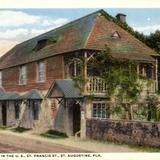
54, 134
120, 76
20, 129
117, 74
153, 108
126, 27
141, 113
153, 41
118, 111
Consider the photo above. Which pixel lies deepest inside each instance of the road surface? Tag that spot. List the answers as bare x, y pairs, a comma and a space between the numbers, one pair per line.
15, 144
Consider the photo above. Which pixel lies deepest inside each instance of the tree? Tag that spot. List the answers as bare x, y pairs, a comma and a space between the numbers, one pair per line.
153, 41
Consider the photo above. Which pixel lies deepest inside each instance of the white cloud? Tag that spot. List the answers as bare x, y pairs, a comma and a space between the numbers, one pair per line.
148, 19
21, 34
147, 29
9, 18
60, 21
17, 18
6, 45
13, 34
10, 38
55, 23
15, 27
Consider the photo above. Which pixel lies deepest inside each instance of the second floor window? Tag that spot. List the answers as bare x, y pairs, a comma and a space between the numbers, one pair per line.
41, 71
147, 71
23, 75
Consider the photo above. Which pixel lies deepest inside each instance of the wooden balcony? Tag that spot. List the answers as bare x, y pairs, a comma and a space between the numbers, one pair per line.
96, 85
148, 86
153, 86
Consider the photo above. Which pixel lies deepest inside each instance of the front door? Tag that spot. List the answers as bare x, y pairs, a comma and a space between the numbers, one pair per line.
76, 118
4, 114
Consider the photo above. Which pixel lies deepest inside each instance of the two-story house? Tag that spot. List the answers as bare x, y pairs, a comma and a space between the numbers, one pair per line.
40, 67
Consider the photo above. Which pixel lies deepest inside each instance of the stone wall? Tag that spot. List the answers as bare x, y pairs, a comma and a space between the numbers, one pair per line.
130, 132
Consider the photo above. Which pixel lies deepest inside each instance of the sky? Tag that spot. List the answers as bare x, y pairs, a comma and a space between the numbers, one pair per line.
18, 25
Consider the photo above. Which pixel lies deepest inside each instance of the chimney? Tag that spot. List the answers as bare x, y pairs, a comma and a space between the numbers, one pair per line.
121, 17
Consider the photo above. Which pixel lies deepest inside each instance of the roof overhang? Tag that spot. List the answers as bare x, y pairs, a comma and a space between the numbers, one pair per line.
64, 89
13, 96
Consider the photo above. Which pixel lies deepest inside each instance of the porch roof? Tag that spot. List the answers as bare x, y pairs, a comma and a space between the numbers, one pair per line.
32, 95
65, 88
8, 95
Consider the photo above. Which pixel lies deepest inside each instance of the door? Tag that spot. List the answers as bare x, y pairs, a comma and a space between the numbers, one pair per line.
76, 118
4, 114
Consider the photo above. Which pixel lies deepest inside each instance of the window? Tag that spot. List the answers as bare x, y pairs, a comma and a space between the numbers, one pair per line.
43, 43
17, 110
149, 72
36, 105
100, 110
74, 69
115, 35
23, 75
0, 78
41, 72
146, 71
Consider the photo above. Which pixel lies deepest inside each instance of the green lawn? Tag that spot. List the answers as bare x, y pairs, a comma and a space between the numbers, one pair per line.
136, 147
54, 134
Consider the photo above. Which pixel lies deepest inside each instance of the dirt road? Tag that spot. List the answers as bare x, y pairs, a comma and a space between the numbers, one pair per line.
14, 144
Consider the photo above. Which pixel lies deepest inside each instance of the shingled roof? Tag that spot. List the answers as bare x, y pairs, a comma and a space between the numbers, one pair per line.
90, 32
66, 87
32, 95
8, 95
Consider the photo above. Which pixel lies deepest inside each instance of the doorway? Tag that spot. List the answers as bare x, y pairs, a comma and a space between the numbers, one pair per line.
76, 118
4, 114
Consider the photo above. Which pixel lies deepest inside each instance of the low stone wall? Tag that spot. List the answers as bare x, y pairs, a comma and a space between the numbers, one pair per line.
129, 132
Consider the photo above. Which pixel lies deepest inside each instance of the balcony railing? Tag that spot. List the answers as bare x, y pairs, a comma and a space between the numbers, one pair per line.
96, 85
152, 87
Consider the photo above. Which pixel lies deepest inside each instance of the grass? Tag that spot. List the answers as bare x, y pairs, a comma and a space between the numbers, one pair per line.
132, 146
3, 128
53, 134
20, 129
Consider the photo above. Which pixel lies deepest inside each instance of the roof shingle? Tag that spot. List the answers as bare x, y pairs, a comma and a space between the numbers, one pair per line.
90, 32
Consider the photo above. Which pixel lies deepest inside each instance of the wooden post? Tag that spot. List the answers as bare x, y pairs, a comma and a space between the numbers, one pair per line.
131, 112
84, 105
75, 68
156, 76
137, 69
85, 73
83, 120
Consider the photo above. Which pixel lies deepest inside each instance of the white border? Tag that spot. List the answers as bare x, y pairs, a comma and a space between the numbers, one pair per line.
79, 3
91, 4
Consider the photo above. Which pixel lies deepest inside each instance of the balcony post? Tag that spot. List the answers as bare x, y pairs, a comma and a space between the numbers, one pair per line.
137, 69
156, 76
85, 73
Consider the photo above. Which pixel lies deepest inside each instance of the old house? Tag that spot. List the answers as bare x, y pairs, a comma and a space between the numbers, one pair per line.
40, 67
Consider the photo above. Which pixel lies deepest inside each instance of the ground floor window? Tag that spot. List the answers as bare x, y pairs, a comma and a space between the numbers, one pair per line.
100, 110
36, 108
17, 110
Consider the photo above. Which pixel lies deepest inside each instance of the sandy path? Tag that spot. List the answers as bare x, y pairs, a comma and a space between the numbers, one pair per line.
40, 144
